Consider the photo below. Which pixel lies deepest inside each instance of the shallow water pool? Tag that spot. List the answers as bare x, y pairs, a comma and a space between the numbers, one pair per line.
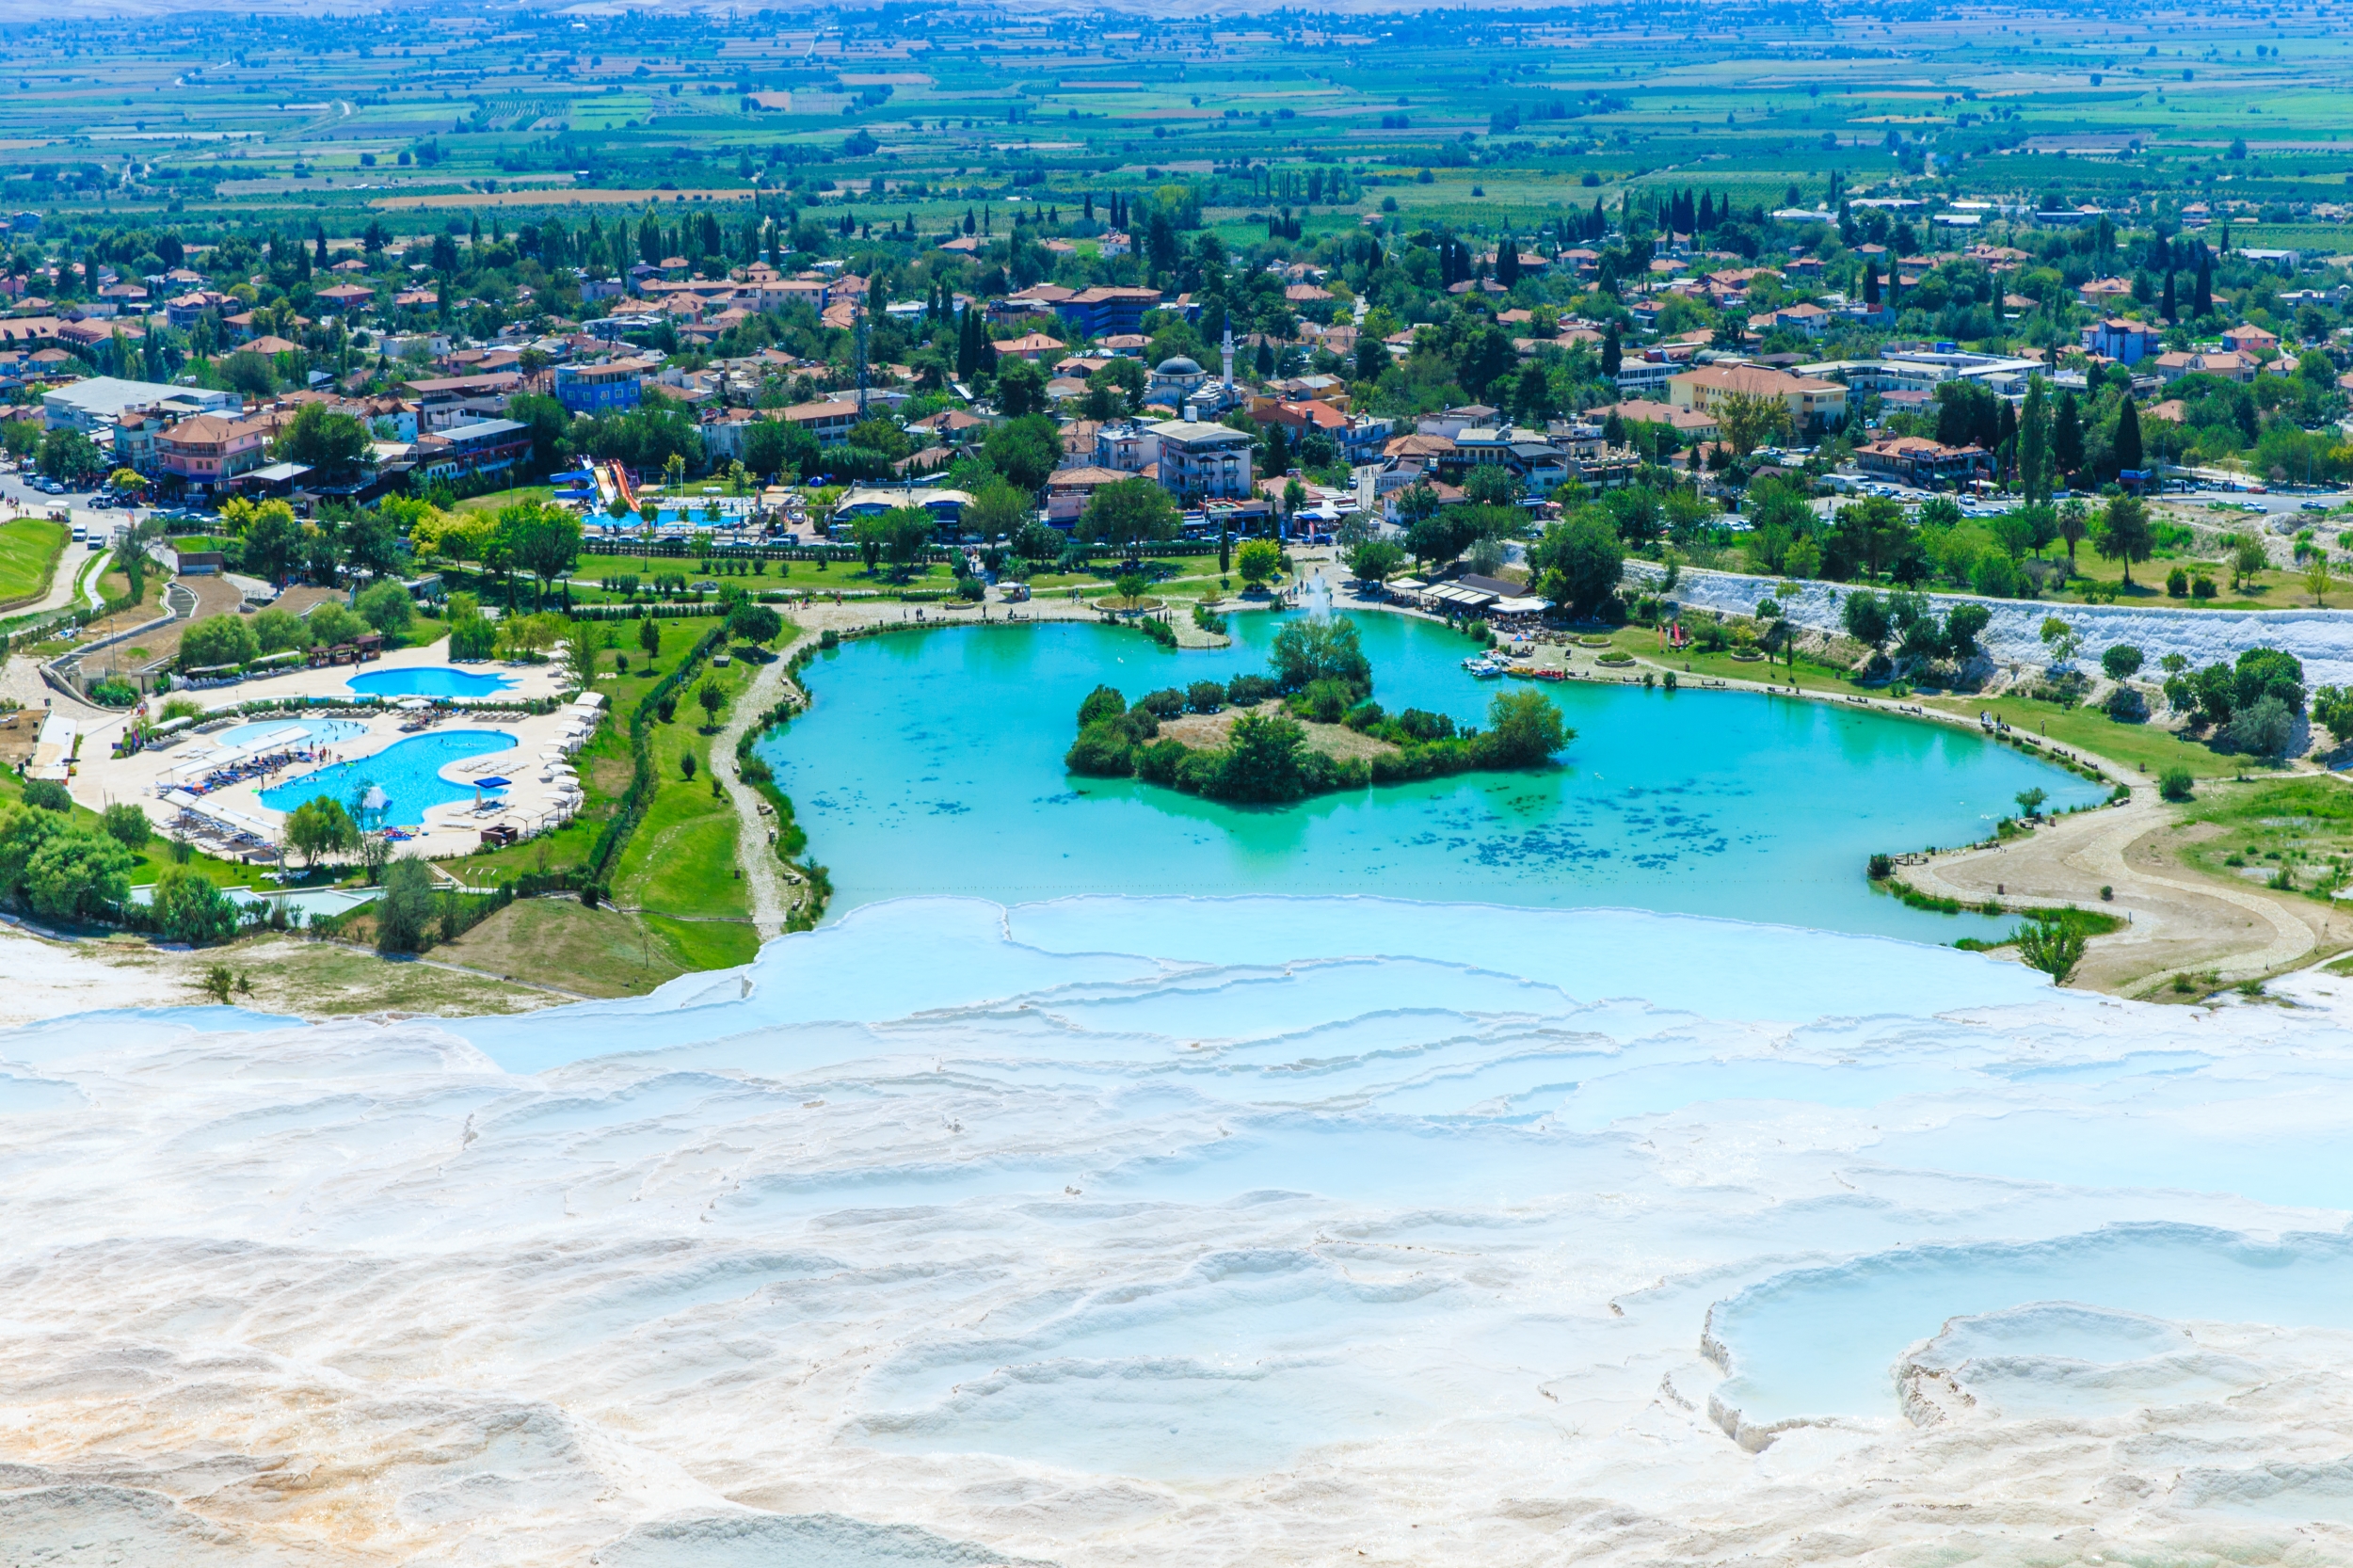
324, 731
932, 763
408, 772
429, 681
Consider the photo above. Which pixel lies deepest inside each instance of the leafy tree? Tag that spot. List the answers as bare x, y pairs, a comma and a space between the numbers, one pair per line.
1373, 560
1437, 540
2334, 707
649, 639
753, 622
1037, 541
71, 456
2062, 641
1577, 563
273, 539
999, 512
334, 446
1865, 616
128, 826
1524, 730
543, 537
320, 827
1261, 761
1129, 515
1308, 650
1104, 702
1750, 419
2266, 672
899, 535
774, 447
2263, 728
711, 698
551, 426
218, 641
2122, 661
2074, 523
405, 910
1962, 625
1022, 389
1491, 485
2030, 801
1257, 561
387, 607
78, 876
1025, 449
189, 907
330, 624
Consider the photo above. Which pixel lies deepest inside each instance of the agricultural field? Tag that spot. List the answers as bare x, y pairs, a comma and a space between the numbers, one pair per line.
409, 117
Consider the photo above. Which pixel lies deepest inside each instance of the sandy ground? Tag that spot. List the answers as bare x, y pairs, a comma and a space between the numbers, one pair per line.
2182, 921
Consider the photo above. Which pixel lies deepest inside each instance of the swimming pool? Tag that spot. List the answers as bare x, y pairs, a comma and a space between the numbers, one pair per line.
429, 681
324, 731
407, 772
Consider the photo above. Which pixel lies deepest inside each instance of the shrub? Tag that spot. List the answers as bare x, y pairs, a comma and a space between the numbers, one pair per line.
1205, 696
189, 908
2177, 584
686, 766
128, 826
2263, 728
1248, 691
1167, 703
1419, 725
829, 638
1102, 750
1159, 630
2127, 705
2175, 784
2202, 586
1325, 701
1523, 730
49, 795
114, 694
1882, 868
474, 637
1160, 763
1104, 702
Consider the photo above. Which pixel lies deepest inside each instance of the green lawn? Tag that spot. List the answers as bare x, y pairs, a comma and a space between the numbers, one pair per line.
2149, 746
497, 499
29, 548
2302, 825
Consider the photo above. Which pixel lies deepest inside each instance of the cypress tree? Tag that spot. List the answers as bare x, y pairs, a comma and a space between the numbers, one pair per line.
2127, 447
1870, 281
2202, 295
2165, 307
1612, 351
2067, 436
2034, 441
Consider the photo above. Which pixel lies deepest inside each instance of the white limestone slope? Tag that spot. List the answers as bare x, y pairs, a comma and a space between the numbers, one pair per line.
1141, 1231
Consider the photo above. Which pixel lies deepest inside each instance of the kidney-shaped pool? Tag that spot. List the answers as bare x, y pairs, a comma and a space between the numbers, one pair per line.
408, 772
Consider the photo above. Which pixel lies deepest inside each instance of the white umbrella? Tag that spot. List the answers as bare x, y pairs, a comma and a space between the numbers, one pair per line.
376, 799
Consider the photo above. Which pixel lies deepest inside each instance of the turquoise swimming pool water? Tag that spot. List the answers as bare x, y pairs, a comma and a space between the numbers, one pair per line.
408, 772
429, 681
324, 731
931, 762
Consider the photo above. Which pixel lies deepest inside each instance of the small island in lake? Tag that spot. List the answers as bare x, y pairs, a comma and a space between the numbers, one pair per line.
1308, 726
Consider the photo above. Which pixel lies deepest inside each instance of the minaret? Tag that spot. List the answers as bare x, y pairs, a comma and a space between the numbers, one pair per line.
1227, 351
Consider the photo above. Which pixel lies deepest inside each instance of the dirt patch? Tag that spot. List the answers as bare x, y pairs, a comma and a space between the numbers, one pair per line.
555, 941
1210, 731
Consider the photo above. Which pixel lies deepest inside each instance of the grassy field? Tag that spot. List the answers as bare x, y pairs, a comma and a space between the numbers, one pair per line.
558, 941
2301, 827
29, 551
2151, 747
497, 499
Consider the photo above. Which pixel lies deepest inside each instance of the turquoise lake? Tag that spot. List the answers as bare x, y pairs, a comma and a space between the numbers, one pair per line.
931, 762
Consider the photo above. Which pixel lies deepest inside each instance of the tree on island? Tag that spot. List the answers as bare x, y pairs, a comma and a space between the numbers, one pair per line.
1307, 652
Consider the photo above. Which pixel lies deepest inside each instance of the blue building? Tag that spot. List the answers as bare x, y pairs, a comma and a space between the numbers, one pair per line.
1100, 312
599, 388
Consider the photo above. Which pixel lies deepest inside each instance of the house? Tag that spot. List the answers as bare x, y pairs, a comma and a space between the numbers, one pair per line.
2103, 294
2220, 363
485, 446
1916, 460
829, 421
2127, 343
600, 389
1203, 462
443, 402
1131, 447
1069, 490
1814, 406
1811, 320
1030, 345
1693, 424
346, 298
2250, 340
1100, 311
97, 400
209, 451
950, 427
